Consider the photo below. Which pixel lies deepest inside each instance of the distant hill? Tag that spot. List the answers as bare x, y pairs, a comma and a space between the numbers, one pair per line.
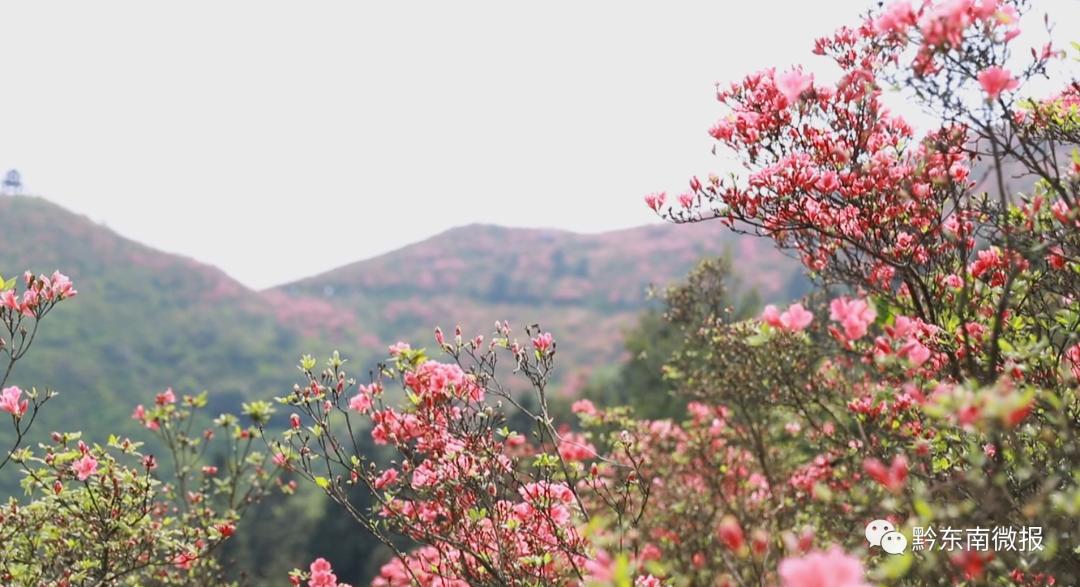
145, 319
584, 288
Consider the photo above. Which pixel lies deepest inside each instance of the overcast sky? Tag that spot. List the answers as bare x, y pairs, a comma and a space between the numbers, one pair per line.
280, 139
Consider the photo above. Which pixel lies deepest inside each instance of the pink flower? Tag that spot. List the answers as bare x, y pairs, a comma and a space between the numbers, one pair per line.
731, 533
794, 319
396, 349
583, 406
1073, 357
184, 560
892, 477
854, 315
897, 18
85, 467
322, 574
165, 397
361, 402
655, 201
771, 316
574, 447
828, 182
424, 476
61, 286
915, 351
10, 402
9, 300
543, 342
388, 476
995, 80
793, 83
834, 568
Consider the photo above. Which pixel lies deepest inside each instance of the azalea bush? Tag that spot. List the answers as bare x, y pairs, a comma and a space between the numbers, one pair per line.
490, 508
942, 389
99, 513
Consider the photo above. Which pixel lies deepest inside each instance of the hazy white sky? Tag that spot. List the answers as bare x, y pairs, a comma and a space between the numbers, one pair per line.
280, 139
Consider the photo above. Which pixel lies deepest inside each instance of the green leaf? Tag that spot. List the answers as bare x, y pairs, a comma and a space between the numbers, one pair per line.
922, 508
322, 482
758, 339
940, 464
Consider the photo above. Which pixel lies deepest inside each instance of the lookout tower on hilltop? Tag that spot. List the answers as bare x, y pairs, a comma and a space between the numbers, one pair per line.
12, 183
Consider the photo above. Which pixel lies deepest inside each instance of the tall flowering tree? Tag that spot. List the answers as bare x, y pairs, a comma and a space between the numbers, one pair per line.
946, 375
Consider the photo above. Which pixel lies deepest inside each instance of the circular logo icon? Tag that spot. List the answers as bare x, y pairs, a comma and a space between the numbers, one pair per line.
876, 529
893, 542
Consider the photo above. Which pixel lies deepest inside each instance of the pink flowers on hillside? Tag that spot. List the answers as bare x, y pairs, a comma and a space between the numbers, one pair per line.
833, 568
11, 403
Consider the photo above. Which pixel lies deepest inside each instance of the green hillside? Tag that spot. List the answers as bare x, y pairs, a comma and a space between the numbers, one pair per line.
144, 320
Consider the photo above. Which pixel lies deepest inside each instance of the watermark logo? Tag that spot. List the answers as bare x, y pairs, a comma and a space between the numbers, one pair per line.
882, 533
997, 539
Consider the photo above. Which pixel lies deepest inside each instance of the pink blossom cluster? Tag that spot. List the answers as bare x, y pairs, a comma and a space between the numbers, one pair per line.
453, 468
794, 319
321, 574
39, 290
832, 568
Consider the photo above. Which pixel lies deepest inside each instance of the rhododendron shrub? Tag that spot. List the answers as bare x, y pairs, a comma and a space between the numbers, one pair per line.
488, 506
927, 221
937, 384
24, 303
99, 514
